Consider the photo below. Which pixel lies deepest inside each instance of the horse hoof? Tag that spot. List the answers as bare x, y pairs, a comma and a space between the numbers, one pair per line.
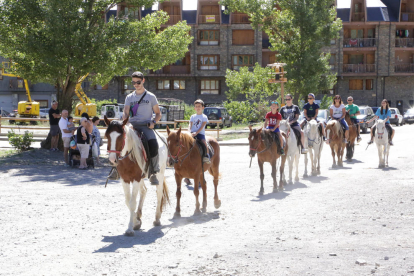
261, 193
318, 172
296, 179
290, 182
314, 174
217, 204
275, 190
138, 225
129, 233
197, 212
305, 175
281, 189
203, 210
177, 215
156, 223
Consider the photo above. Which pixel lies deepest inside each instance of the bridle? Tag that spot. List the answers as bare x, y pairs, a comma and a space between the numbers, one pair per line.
118, 153
176, 158
257, 148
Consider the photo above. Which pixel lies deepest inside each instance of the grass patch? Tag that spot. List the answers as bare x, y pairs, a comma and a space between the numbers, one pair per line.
7, 153
233, 136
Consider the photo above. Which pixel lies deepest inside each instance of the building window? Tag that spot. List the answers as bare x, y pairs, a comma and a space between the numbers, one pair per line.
243, 37
210, 62
210, 87
179, 84
332, 61
333, 41
242, 60
43, 103
208, 37
369, 85
356, 84
163, 85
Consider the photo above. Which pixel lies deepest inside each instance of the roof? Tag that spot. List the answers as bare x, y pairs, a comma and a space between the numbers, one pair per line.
343, 14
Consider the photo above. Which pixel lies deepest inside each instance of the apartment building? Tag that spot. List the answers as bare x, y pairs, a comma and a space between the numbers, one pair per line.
373, 57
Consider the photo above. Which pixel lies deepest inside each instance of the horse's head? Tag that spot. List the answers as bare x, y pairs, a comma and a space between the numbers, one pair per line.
255, 139
284, 126
311, 131
333, 130
115, 134
381, 129
175, 146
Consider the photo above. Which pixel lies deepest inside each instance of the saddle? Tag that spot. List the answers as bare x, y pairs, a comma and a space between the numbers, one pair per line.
389, 130
270, 137
297, 135
202, 148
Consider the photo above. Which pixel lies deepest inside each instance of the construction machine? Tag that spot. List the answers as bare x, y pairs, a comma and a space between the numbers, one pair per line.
29, 108
85, 105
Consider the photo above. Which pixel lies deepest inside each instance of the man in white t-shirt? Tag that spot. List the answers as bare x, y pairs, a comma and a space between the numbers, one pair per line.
66, 134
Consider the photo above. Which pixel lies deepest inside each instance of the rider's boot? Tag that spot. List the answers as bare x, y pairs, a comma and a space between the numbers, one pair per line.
359, 138
391, 143
154, 169
345, 141
206, 159
114, 175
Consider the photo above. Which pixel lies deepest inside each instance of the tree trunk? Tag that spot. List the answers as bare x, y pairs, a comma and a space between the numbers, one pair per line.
65, 97
45, 144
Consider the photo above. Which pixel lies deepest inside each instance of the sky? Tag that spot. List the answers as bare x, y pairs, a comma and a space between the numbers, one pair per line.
189, 4
347, 3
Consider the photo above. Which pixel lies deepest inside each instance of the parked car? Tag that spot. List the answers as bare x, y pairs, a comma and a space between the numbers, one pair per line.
396, 117
323, 116
409, 116
44, 112
367, 113
4, 113
375, 108
13, 114
218, 113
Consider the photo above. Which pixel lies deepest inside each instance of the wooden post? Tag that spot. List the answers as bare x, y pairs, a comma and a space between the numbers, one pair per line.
218, 131
175, 125
282, 93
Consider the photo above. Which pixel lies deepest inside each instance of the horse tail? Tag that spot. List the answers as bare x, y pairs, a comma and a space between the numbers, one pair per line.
165, 196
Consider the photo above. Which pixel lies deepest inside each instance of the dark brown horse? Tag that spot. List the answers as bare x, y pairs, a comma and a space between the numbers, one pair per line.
185, 157
261, 142
126, 152
335, 135
353, 134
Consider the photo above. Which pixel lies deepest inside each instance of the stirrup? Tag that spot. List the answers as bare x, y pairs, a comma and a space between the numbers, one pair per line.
206, 160
154, 180
370, 142
359, 139
282, 152
304, 151
113, 174
391, 143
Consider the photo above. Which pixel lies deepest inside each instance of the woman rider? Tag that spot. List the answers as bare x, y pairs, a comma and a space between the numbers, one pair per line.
338, 112
311, 110
383, 113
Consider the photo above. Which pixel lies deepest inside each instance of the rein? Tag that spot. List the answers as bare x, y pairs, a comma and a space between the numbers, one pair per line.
257, 148
176, 158
118, 153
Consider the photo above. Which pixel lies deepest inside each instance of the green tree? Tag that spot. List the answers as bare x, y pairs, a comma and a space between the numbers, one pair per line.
298, 30
58, 41
253, 85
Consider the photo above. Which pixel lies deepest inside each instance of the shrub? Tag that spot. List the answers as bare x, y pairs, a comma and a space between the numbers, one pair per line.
244, 111
326, 102
20, 142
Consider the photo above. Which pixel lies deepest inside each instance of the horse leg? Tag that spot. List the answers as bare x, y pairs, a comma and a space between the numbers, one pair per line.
386, 155
306, 166
312, 160
214, 171
131, 202
160, 194
290, 160
196, 194
319, 158
142, 195
333, 157
341, 151
297, 156
282, 169
204, 187
379, 147
178, 179
261, 177
274, 177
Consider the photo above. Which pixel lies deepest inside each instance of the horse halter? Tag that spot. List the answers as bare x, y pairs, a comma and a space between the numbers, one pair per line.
176, 158
258, 145
118, 153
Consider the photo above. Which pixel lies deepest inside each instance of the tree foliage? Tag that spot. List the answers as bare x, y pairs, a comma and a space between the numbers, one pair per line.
58, 41
253, 85
298, 30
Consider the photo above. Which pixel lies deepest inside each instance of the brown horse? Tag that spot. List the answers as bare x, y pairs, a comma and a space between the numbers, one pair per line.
261, 142
335, 135
126, 152
353, 134
185, 157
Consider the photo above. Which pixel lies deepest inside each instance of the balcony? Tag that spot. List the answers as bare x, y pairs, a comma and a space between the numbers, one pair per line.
407, 17
209, 19
358, 17
240, 18
358, 68
174, 19
266, 44
404, 68
404, 42
172, 70
360, 42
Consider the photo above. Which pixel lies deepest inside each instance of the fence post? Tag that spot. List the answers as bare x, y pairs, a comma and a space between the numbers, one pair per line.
175, 125
218, 130
0, 122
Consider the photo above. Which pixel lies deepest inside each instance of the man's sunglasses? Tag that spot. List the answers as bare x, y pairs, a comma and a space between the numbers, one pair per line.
310, 98
288, 99
349, 100
136, 82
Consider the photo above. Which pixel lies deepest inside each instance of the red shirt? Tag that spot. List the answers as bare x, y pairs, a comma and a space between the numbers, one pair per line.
272, 118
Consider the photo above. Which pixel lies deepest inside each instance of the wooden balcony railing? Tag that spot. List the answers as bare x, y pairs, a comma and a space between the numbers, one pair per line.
404, 68
360, 42
407, 17
209, 19
358, 16
240, 19
359, 68
174, 19
176, 69
404, 42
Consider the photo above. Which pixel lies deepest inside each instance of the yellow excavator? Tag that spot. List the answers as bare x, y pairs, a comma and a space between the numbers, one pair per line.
27, 108
85, 105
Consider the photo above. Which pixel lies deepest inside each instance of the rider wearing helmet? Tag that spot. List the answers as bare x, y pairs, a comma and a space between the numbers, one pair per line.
353, 111
310, 112
338, 112
272, 121
291, 113
383, 113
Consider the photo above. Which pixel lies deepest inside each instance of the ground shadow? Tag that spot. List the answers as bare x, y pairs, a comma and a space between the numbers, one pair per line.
353, 161
337, 168
278, 196
316, 178
148, 237
388, 169
296, 185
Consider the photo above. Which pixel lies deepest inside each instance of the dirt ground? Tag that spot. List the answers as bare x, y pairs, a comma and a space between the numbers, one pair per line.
356, 220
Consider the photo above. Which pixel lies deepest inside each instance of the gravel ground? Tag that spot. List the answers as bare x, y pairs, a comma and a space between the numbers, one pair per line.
357, 220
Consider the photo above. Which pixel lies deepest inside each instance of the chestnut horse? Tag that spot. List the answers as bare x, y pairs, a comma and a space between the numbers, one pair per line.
185, 157
353, 134
334, 133
126, 152
261, 142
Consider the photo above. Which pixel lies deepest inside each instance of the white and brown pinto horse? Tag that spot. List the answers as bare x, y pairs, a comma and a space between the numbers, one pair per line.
293, 152
381, 140
314, 143
334, 134
126, 152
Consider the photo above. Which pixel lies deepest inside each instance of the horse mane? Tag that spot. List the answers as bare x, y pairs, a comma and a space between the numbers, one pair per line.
310, 124
336, 127
187, 139
285, 122
136, 154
